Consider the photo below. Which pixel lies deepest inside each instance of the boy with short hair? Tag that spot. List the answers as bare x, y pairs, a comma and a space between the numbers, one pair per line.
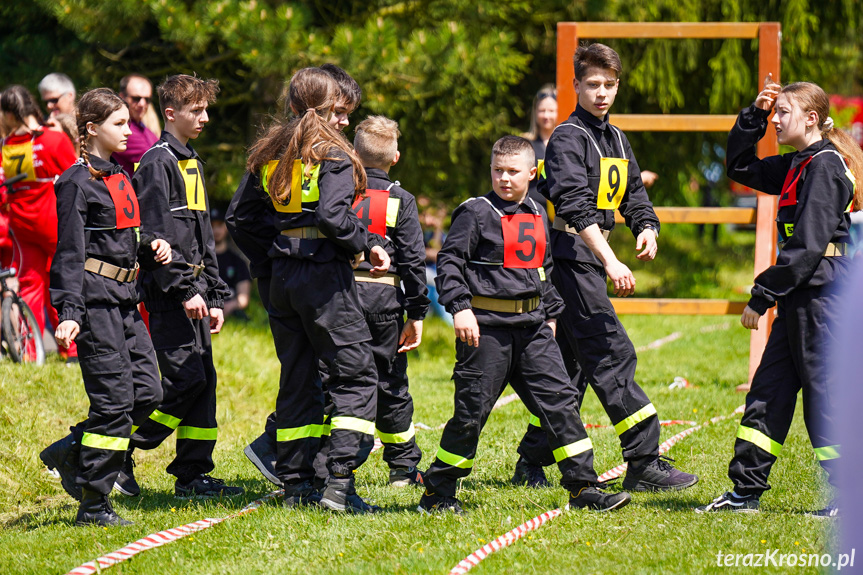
492, 276
591, 172
184, 298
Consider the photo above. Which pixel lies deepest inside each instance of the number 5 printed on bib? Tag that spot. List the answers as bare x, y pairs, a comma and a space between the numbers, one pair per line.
613, 174
523, 241
196, 198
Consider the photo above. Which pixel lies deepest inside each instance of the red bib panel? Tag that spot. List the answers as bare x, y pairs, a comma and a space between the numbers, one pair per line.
125, 201
523, 241
788, 197
372, 211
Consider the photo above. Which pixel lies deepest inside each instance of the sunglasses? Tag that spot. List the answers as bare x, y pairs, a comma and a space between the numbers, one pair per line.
51, 101
136, 99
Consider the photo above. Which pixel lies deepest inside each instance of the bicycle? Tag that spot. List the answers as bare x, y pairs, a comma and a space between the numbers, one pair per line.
20, 337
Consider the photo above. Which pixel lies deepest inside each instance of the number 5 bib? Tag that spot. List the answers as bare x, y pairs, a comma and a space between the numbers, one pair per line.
523, 239
613, 173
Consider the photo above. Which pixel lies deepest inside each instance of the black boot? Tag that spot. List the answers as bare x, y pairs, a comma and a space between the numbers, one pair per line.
96, 509
64, 456
340, 495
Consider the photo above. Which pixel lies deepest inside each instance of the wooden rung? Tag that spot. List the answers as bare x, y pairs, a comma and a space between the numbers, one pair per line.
667, 29
652, 306
701, 215
674, 122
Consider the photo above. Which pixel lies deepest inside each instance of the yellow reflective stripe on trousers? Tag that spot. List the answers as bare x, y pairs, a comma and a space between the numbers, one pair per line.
759, 439
197, 433
634, 419
534, 421
353, 424
572, 449
827, 452
402, 437
165, 419
295, 433
97, 441
453, 459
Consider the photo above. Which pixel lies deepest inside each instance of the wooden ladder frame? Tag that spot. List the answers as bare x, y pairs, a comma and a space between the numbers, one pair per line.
769, 60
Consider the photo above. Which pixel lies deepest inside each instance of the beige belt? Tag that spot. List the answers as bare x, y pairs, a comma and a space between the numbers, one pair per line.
104, 269
505, 305
832, 251
389, 279
307, 233
197, 269
560, 225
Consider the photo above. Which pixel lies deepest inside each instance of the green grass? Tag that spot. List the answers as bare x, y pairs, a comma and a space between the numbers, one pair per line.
655, 533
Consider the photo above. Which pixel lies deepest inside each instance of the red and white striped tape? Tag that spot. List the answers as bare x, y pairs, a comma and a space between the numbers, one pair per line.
508, 539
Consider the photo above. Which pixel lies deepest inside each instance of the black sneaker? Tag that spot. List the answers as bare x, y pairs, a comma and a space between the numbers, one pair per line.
205, 486
530, 475
730, 501
340, 495
63, 456
96, 509
404, 476
657, 475
593, 497
831, 510
431, 503
262, 453
125, 482
301, 495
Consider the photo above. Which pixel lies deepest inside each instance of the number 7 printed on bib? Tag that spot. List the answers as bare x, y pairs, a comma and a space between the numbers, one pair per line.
196, 197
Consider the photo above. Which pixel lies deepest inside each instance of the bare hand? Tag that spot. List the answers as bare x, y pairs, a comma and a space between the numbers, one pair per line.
412, 335
196, 308
162, 249
380, 260
66, 332
217, 319
621, 277
749, 318
767, 97
552, 323
647, 238
648, 178
466, 328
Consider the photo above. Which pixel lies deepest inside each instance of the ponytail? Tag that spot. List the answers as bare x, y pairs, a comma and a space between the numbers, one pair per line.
850, 150
85, 154
95, 107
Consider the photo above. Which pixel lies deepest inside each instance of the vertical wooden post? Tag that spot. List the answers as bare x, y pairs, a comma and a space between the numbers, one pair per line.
769, 54
567, 41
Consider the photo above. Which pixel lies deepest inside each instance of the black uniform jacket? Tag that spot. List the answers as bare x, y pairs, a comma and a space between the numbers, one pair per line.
470, 264
251, 220
87, 228
403, 242
174, 206
819, 217
572, 169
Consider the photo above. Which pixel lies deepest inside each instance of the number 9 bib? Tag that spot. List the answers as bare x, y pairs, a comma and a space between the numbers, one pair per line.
523, 241
613, 175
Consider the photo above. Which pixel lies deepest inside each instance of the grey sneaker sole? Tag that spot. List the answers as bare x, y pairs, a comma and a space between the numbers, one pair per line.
256, 461
125, 492
622, 503
642, 486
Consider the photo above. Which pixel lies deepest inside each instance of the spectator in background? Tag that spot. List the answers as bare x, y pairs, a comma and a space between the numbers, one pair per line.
137, 91
432, 221
543, 120
58, 94
233, 268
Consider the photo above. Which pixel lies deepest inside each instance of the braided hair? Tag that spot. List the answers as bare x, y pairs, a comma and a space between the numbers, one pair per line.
95, 107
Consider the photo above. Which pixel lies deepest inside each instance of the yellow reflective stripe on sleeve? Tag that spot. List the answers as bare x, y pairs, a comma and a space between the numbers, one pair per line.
197, 433
97, 441
165, 419
453, 459
326, 429
827, 452
759, 439
353, 424
402, 437
572, 449
135, 428
634, 419
393, 205
295, 433
534, 421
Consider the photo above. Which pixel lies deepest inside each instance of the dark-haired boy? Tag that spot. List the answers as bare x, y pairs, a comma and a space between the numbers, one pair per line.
492, 276
591, 172
185, 297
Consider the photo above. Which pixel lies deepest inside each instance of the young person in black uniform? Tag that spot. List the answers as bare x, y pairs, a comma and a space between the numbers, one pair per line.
93, 287
591, 172
185, 298
542, 123
493, 277
816, 189
313, 177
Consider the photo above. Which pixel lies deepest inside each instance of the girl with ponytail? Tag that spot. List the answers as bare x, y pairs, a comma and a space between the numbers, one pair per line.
310, 175
817, 188
93, 285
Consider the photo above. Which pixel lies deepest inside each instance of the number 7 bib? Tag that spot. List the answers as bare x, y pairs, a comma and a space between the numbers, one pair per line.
523, 241
613, 175
195, 194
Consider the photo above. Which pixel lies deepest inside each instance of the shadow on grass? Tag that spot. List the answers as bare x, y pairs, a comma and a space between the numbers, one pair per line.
32, 520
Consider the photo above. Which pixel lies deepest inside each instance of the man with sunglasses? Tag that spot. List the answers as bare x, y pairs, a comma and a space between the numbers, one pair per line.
137, 91
58, 94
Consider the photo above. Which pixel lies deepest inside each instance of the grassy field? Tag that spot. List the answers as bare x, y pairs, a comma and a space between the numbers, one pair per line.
656, 533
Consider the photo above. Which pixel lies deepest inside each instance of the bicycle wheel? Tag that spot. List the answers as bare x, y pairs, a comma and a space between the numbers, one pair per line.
21, 332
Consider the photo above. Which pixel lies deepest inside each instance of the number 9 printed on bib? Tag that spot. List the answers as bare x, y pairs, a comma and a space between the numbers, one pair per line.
523, 241
195, 193
613, 174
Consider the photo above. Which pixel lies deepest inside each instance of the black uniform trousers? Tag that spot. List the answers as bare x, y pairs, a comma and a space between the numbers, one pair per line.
795, 358
315, 314
598, 342
529, 359
122, 381
185, 354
